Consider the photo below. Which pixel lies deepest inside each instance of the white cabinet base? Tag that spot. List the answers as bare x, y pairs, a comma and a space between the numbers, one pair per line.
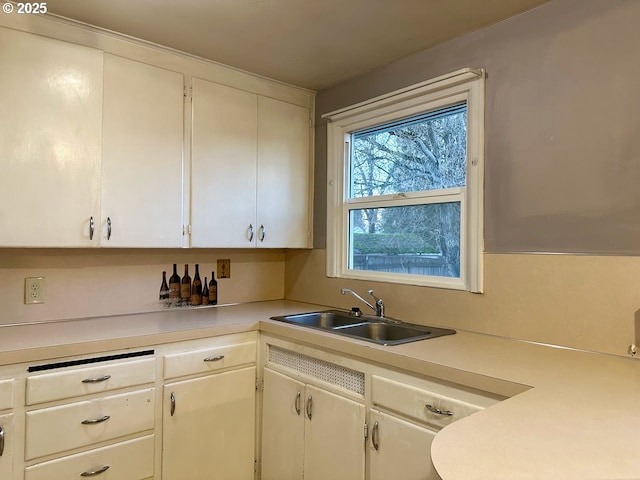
212, 430
404, 449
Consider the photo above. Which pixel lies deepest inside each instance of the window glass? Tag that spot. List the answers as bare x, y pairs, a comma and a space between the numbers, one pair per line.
415, 239
426, 152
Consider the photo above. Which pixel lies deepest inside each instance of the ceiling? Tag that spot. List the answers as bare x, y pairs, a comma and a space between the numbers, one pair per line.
309, 43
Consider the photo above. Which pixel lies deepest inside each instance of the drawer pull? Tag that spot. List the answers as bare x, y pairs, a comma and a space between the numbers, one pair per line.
309, 406
93, 473
375, 436
1, 440
214, 359
298, 396
172, 398
103, 378
432, 409
96, 420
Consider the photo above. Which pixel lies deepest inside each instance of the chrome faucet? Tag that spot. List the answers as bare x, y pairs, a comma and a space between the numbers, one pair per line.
379, 303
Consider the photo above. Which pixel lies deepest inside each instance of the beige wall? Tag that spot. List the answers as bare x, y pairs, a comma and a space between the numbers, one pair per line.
579, 301
87, 282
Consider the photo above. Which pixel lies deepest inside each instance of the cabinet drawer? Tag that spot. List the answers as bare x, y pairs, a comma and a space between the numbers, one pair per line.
6, 394
209, 360
412, 402
56, 429
75, 382
130, 460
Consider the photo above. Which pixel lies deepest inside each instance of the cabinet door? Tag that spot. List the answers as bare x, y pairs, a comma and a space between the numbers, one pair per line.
50, 141
283, 174
141, 155
334, 437
282, 427
211, 432
404, 449
223, 166
6, 446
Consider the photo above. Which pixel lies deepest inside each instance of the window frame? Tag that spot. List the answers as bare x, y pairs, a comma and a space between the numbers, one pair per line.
466, 85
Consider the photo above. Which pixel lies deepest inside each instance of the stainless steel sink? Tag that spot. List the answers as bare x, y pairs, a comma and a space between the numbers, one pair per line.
326, 320
365, 327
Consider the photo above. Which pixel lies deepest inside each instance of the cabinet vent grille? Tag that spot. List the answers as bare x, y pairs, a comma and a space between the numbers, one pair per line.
326, 371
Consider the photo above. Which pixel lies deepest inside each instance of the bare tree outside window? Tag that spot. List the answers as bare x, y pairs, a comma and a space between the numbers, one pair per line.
423, 153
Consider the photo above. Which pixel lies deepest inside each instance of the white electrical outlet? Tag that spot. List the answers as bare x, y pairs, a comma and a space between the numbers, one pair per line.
33, 290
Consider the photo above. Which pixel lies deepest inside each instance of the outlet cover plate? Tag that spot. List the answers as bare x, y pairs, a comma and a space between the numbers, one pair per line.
33, 290
224, 268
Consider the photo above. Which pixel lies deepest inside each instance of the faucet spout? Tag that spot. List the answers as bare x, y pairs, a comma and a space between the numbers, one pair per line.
378, 307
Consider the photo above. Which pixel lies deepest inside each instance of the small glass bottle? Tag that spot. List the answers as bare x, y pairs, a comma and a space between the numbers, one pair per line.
213, 290
196, 288
185, 286
174, 286
205, 292
164, 290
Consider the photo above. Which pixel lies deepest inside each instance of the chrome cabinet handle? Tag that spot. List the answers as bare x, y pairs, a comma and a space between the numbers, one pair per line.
92, 225
93, 473
93, 421
375, 436
214, 359
309, 407
1, 440
263, 233
108, 228
172, 398
103, 378
251, 232
446, 413
298, 397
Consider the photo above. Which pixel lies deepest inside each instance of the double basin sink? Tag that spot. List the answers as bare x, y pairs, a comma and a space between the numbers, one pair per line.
383, 331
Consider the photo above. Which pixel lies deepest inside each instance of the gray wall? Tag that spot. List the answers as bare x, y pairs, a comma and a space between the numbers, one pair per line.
562, 125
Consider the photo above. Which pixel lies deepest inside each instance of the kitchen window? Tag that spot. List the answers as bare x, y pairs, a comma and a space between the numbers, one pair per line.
405, 175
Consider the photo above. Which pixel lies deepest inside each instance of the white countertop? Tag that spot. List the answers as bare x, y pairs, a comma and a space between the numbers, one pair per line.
581, 419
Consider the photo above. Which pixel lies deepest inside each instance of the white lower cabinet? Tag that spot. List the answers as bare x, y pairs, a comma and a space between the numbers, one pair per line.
90, 417
124, 416
6, 429
315, 405
406, 414
6, 446
333, 436
399, 449
309, 432
208, 427
209, 421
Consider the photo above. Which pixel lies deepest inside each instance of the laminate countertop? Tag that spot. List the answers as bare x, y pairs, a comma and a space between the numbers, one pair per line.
570, 414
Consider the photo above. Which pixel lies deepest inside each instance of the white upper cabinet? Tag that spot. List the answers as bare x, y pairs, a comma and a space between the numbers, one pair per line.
249, 170
283, 174
143, 131
105, 149
50, 141
223, 166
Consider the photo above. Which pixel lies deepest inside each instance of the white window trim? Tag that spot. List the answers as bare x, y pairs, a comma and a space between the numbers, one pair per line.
463, 85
